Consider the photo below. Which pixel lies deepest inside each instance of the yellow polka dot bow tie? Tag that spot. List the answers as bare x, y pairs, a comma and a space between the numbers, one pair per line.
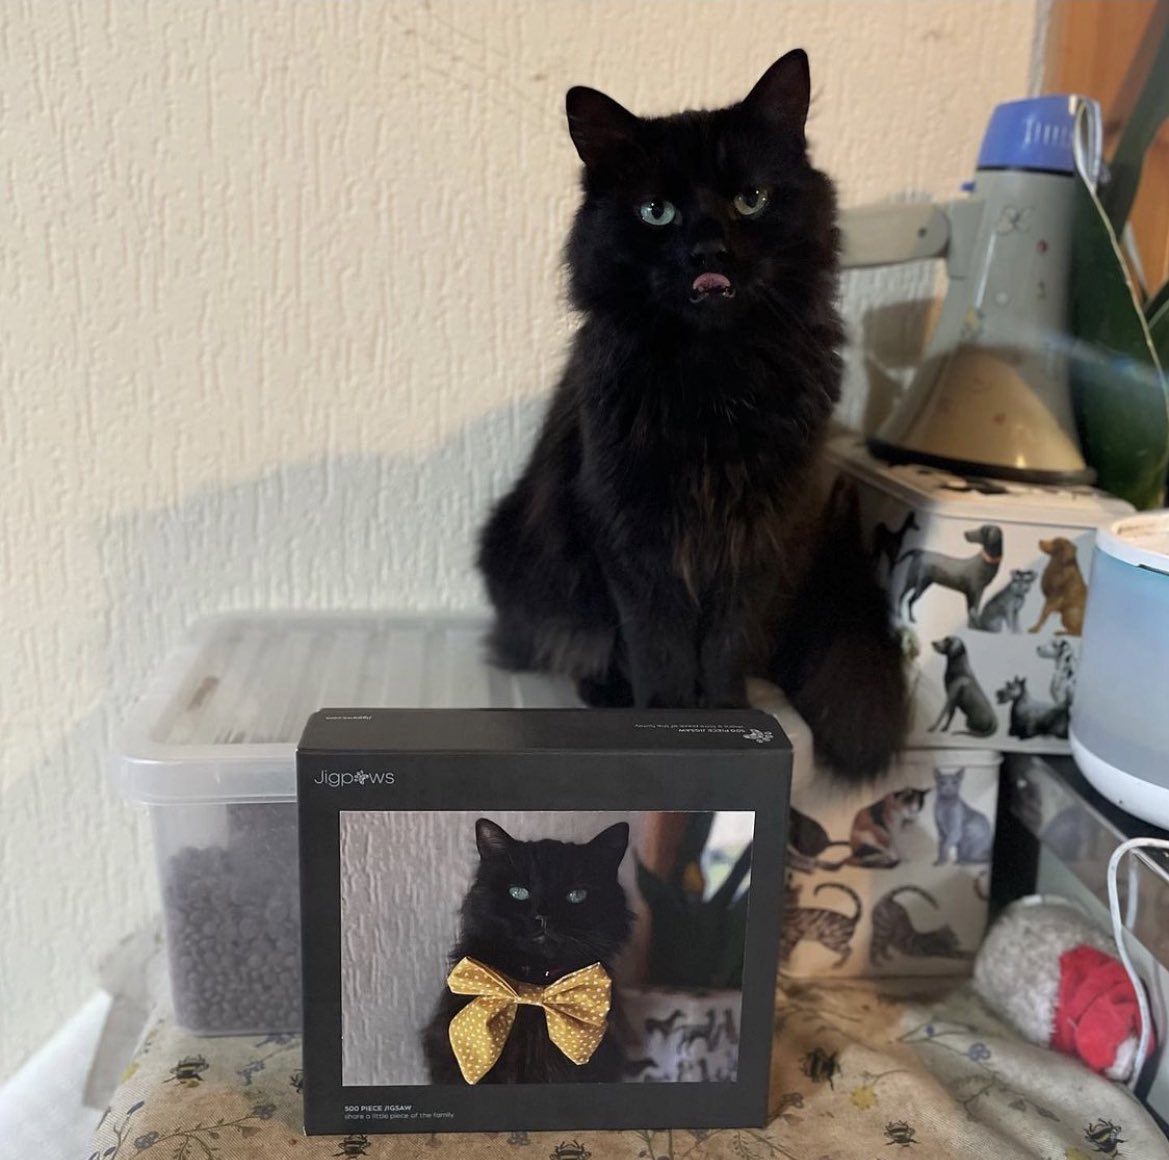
575, 1007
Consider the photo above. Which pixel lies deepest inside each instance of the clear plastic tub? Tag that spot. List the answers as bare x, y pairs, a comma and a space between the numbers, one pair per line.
211, 751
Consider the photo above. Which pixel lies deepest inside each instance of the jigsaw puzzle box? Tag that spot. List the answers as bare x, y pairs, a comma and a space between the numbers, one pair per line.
537, 919
987, 580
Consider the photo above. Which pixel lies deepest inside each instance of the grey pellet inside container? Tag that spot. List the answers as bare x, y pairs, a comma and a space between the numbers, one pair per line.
233, 926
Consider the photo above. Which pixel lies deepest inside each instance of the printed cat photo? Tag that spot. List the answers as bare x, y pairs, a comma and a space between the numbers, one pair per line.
537, 911
674, 530
542, 947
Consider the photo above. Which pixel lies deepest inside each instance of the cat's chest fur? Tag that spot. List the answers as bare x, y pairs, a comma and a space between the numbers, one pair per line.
700, 452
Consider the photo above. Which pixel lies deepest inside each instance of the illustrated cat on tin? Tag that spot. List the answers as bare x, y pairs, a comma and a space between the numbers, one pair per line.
830, 928
964, 833
893, 930
872, 841
875, 829
537, 911
675, 529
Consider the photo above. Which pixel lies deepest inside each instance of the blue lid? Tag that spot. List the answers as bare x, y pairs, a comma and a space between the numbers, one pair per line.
1036, 133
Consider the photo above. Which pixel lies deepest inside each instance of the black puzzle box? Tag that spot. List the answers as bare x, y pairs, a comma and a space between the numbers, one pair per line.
539, 919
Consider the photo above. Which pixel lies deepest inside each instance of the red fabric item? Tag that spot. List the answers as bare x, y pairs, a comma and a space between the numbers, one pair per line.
1096, 1010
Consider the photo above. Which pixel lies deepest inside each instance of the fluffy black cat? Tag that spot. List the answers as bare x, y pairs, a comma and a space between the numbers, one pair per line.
537, 911
674, 529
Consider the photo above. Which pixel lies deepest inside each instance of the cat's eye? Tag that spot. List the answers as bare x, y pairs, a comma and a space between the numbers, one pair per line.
657, 212
751, 202
577, 895
519, 893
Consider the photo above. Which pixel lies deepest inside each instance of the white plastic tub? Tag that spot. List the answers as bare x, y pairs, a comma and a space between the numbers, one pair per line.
1120, 731
211, 751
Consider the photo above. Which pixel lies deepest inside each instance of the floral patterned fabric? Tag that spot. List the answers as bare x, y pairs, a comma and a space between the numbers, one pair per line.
862, 1069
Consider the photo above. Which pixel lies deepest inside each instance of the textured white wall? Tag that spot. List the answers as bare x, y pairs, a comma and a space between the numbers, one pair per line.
280, 301
403, 878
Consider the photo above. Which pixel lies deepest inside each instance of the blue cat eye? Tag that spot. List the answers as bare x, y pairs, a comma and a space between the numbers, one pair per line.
519, 893
577, 895
657, 212
751, 202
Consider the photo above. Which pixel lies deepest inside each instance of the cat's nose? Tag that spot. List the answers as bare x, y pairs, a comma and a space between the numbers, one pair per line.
542, 921
708, 251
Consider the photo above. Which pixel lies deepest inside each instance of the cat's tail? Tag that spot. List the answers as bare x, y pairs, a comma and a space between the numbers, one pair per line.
847, 890
839, 661
892, 895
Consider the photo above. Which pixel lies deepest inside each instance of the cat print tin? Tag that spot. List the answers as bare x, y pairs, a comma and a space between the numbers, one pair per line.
894, 879
532, 919
987, 582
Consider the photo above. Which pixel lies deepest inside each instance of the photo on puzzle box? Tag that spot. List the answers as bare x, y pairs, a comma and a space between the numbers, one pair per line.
542, 947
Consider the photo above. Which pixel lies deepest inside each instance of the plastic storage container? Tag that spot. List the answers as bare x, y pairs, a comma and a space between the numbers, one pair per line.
1120, 731
987, 581
211, 751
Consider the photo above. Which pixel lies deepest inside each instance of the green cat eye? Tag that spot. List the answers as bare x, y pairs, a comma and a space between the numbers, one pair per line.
657, 212
519, 893
751, 202
577, 895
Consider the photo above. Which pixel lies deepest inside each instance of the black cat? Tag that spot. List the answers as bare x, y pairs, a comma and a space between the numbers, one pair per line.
674, 529
537, 911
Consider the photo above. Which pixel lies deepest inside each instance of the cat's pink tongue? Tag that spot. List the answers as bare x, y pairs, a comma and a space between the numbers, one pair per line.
709, 281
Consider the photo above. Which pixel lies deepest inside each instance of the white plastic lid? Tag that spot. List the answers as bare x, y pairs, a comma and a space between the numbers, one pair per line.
981, 499
223, 719
1142, 540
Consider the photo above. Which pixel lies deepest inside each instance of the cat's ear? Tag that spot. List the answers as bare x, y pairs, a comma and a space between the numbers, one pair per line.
612, 843
598, 125
493, 840
782, 94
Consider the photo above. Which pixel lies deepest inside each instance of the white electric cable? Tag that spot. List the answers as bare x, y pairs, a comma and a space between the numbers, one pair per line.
1118, 933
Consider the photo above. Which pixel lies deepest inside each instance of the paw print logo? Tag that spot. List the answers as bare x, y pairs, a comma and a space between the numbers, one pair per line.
361, 777
759, 736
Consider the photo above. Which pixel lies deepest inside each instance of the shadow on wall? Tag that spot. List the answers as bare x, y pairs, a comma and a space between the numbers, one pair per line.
344, 532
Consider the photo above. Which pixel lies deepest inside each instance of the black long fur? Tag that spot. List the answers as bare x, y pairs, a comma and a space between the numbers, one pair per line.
673, 530
537, 940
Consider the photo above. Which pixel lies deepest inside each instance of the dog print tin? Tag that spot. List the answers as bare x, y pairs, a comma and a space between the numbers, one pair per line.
892, 879
987, 580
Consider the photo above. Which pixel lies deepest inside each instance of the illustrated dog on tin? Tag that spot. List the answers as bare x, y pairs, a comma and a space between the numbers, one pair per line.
963, 692
1063, 677
969, 575
1031, 718
1064, 590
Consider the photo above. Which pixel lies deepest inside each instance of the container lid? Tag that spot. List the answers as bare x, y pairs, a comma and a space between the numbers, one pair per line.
977, 497
222, 721
1142, 540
